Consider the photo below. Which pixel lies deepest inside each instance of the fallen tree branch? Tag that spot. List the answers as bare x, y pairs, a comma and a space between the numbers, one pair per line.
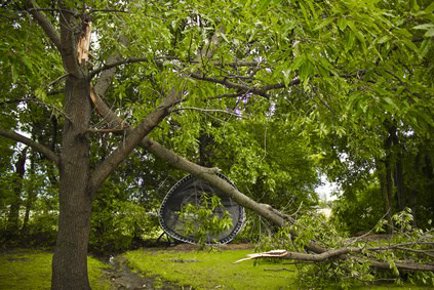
317, 252
340, 253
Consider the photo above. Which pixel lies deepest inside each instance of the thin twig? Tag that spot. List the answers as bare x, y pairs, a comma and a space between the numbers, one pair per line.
233, 95
107, 130
353, 241
117, 63
92, 10
205, 110
58, 79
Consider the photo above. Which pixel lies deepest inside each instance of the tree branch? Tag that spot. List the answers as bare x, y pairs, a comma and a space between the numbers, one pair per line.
260, 91
229, 95
133, 138
230, 85
107, 130
70, 32
209, 175
206, 111
106, 77
37, 146
45, 24
116, 61
339, 253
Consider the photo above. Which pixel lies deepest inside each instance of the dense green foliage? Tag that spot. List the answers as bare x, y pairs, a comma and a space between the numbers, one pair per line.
413, 244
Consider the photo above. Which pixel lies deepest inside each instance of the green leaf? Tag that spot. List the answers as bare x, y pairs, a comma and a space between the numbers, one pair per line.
324, 23
14, 74
425, 26
383, 39
41, 94
342, 23
429, 33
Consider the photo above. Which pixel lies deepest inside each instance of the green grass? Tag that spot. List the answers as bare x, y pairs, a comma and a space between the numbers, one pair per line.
30, 269
212, 270
216, 270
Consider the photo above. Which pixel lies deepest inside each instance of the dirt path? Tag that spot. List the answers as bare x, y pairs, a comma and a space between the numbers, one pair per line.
121, 277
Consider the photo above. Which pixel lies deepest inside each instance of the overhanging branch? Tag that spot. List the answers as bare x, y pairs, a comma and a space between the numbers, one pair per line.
35, 145
45, 24
260, 91
134, 137
205, 110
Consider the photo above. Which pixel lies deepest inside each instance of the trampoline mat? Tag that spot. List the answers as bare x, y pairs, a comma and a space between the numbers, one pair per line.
191, 190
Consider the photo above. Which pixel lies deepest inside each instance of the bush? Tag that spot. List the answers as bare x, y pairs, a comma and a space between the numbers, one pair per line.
115, 226
358, 211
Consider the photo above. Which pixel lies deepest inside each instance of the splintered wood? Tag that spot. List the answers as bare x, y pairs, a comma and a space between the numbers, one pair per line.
83, 44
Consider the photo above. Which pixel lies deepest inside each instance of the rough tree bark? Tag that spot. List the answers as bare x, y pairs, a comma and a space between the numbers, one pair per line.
70, 256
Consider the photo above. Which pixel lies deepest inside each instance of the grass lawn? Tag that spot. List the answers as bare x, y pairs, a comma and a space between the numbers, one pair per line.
30, 269
216, 270
212, 270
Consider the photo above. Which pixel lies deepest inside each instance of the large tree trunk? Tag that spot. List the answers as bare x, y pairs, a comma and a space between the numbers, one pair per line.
70, 256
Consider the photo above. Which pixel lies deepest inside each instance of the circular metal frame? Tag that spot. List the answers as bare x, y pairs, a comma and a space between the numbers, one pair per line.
190, 189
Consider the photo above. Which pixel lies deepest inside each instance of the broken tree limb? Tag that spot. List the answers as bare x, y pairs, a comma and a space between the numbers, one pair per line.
410, 266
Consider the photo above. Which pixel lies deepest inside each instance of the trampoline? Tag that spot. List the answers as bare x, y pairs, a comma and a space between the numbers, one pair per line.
194, 191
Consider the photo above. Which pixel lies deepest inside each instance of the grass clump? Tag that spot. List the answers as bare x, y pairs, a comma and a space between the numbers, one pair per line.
31, 269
